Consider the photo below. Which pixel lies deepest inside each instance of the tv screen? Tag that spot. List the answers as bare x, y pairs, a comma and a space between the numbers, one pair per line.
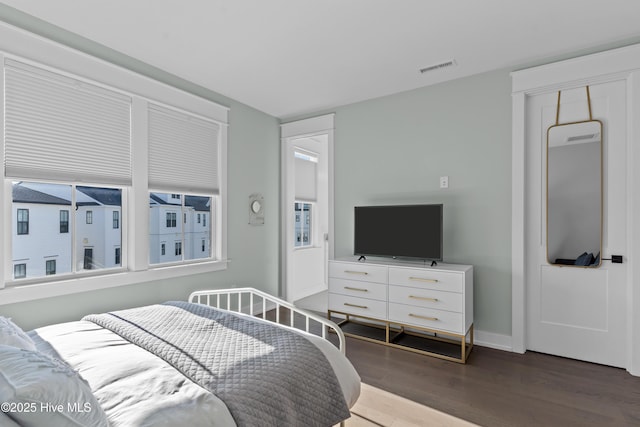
409, 231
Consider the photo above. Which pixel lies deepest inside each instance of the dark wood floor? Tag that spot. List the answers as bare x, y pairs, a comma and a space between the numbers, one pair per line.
497, 388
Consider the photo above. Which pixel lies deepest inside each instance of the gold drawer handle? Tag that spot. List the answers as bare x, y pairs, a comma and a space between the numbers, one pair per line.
349, 288
421, 279
364, 273
423, 317
355, 305
424, 298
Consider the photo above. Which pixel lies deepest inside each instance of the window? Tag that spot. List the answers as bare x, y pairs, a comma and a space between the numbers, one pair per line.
194, 243
23, 221
87, 149
19, 271
171, 220
302, 232
50, 267
88, 258
204, 220
163, 249
198, 218
64, 221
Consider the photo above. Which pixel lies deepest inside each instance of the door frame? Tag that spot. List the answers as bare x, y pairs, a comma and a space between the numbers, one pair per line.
321, 125
616, 64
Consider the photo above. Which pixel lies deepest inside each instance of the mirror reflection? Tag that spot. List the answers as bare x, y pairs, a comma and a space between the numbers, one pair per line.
574, 194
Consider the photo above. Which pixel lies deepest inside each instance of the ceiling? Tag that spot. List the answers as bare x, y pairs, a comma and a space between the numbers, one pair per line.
294, 57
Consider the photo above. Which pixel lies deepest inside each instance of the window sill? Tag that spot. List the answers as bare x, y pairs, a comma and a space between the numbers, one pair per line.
30, 292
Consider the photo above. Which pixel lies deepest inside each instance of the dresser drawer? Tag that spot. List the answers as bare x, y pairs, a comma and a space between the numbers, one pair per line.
427, 298
370, 290
427, 279
362, 272
426, 318
358, 306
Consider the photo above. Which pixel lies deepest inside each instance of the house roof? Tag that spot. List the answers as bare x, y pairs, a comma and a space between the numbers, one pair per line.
102, 196
22, 194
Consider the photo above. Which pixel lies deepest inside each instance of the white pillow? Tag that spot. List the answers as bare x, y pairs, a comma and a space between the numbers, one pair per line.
40, 391
12, 335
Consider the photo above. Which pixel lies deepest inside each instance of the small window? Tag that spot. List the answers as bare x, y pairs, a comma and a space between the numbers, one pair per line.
198, 218
89, 217
184, 218
171, 220
50, 267
303, 224
175, 196
117, 256
19, 271
178, 248
116, 221
203, 245
163, 249
64, 221
23, 221
204, 220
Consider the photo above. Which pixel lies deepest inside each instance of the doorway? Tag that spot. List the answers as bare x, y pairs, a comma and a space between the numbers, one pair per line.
307, 206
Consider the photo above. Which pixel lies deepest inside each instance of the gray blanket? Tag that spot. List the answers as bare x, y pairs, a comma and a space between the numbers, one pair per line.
266, 375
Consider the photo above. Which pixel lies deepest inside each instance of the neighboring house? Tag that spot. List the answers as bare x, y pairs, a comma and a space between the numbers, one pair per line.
41, 237
43, 227
167, 222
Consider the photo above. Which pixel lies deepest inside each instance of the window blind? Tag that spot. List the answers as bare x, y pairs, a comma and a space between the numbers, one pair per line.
305, 177
61, 128
183, 152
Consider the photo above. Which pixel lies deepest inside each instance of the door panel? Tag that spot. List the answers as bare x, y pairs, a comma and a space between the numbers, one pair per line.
578, 312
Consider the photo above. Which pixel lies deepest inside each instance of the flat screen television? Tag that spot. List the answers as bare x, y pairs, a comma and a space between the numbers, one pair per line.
400, 231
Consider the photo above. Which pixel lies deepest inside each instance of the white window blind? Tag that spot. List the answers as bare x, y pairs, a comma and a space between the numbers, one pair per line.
183, 152
306, 173
60, 128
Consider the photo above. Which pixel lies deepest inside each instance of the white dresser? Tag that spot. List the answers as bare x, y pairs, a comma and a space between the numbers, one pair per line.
403, 304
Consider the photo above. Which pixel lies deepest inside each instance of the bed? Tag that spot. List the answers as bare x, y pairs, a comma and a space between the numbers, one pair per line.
233, 357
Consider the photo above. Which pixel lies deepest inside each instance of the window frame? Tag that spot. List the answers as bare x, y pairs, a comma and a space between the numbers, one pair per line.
50, 55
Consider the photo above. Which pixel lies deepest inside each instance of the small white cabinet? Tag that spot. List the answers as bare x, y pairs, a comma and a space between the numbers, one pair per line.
407, 305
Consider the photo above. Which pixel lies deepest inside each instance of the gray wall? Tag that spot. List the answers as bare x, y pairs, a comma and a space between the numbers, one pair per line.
392, 150
253, 160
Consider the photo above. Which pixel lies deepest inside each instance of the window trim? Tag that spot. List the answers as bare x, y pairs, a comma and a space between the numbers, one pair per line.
30, 48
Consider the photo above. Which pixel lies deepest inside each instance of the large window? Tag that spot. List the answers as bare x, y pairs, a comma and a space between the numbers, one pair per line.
61, 228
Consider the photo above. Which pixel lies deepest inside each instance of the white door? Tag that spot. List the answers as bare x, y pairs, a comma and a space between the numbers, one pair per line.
579, 313
307, 206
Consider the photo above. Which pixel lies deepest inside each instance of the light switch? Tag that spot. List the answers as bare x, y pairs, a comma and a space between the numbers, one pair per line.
444, 182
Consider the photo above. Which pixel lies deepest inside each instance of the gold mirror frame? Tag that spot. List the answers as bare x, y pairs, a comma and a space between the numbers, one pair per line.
574, 186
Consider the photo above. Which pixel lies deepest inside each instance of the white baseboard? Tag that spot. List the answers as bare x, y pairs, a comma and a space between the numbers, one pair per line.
492, 340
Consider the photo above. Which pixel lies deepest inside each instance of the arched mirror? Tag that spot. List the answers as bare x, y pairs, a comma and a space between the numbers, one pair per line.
574, 194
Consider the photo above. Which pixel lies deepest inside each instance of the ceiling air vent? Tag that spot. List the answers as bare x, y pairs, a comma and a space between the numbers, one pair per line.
434, 67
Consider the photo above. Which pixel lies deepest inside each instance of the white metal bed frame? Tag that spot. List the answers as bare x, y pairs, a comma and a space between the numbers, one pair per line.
222, 298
